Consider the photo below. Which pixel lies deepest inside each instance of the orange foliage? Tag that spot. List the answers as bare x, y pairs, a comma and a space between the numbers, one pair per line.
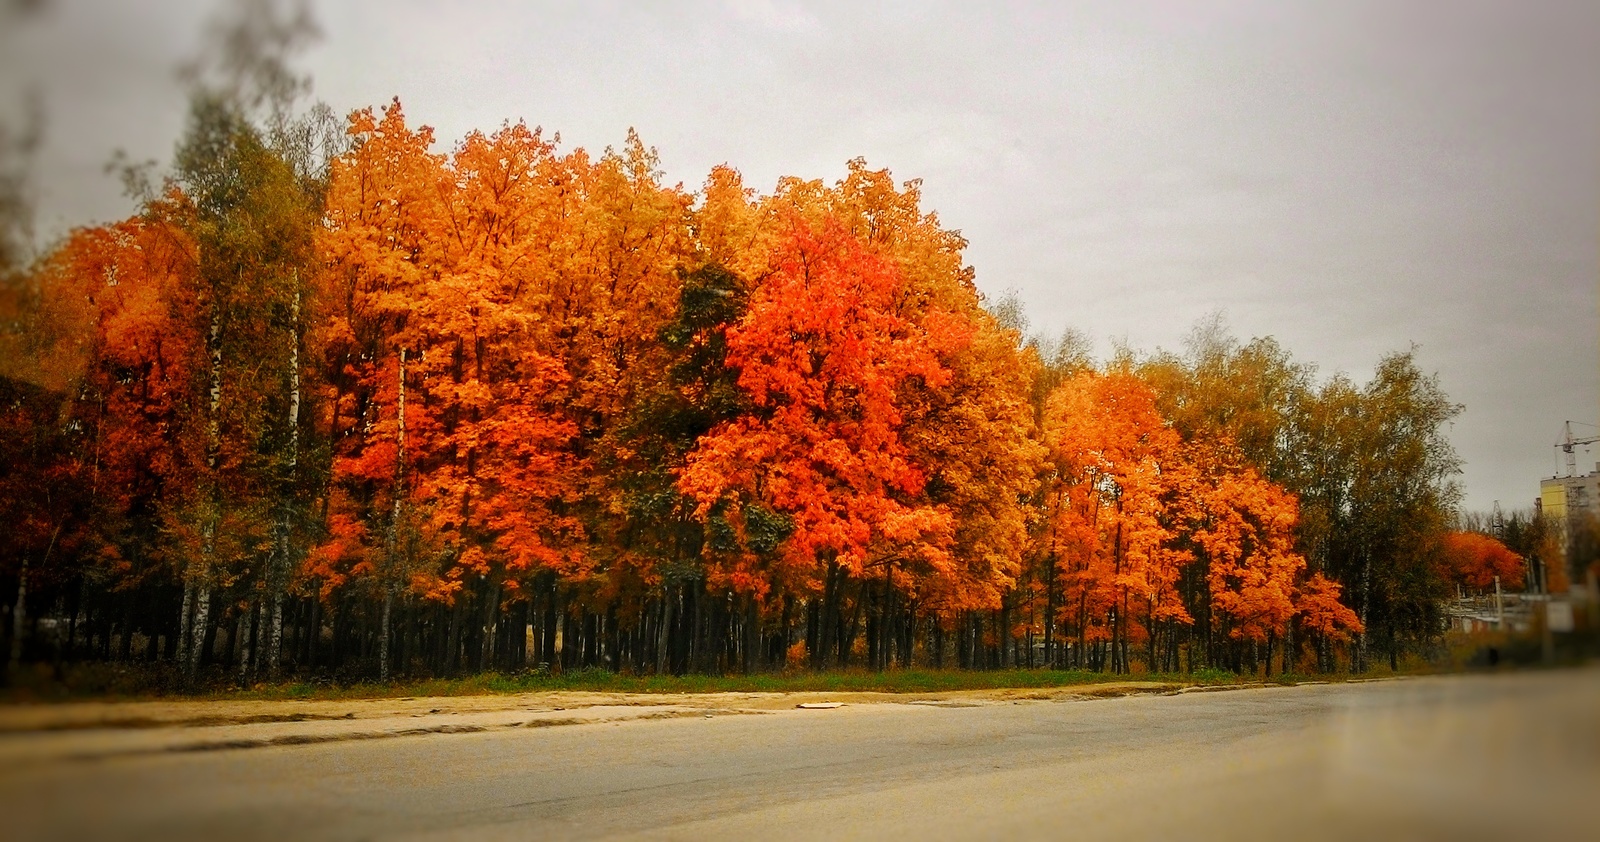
1117, 464
823, 356
1321, 612
1247, 538
487, 323
1473, 560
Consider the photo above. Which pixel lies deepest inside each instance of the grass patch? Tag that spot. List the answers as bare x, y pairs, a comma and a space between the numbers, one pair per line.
599, 681
133, 682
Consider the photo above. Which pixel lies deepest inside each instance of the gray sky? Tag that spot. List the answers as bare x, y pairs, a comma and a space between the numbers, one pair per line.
1348, 177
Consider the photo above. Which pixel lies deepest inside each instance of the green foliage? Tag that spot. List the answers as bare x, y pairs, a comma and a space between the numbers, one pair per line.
665, 422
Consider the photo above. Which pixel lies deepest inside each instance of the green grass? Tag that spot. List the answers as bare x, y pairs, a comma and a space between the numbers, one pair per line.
105, 681
895, 681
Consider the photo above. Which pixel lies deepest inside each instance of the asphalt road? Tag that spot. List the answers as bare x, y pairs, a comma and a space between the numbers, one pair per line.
1464, 757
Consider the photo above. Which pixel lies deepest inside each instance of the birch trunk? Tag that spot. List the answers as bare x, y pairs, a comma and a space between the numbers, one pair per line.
280, 572
1359, 662
394, 539
202, 609
183, 622
242, 634
214, 417
202, 619
275, 636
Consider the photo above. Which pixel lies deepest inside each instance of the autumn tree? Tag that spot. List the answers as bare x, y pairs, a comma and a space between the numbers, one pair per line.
823, 357
1245, 539
1478, 562
1369, 464
252, 222
1244, 394
977, 443
1116, 471
1536, 537
364, 405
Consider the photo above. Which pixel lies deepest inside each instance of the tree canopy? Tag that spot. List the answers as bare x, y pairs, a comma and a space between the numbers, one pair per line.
422, 411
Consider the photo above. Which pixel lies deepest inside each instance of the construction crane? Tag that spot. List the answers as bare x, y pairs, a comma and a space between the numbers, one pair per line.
1567, 444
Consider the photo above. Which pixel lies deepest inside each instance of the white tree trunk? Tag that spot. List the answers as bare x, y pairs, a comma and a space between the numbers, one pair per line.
294, 380
400, 417
214, 417
394, 520
279, 570
202, 620
242, 633
1359, 662
213, 515
275, 636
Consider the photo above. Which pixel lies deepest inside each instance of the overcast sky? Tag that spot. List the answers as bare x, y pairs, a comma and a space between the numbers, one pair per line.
1348, 177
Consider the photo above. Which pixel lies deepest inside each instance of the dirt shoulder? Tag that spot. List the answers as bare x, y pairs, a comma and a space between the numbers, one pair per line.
70, 716
46, 733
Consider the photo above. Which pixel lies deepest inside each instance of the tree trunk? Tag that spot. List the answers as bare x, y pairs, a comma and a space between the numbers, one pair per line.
393, 540
548, 653
488, 624
279, 568
383, 636
18, 616
242, 636
202, 608
1003, 633
814, 633
1050, 614
202, 625
275, 637
1358, 663
781, 657
848, 637
313, 630
452, 661
752, 635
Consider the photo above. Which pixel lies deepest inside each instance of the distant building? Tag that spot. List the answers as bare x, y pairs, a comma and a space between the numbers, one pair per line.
1573, 503
1570, 498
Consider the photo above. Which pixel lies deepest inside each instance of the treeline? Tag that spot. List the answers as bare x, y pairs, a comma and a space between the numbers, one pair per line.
354, 406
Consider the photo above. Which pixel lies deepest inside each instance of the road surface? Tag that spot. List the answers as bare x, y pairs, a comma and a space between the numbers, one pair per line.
1513, 756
